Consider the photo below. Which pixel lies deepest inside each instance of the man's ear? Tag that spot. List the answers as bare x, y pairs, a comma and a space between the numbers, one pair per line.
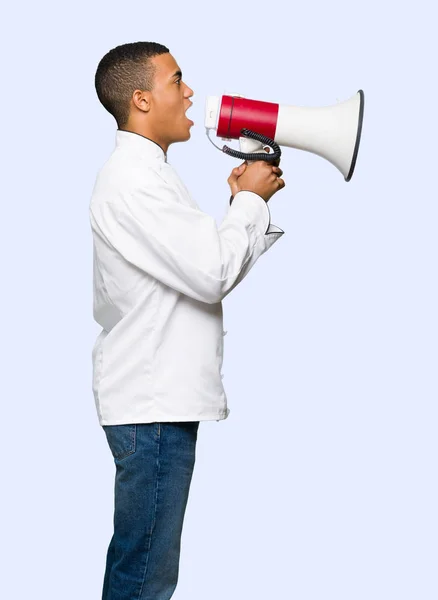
142, 100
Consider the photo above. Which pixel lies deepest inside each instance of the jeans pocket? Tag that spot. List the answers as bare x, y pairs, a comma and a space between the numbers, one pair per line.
121, 439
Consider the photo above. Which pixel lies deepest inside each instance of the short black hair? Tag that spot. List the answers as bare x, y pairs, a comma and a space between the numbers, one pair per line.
123, 70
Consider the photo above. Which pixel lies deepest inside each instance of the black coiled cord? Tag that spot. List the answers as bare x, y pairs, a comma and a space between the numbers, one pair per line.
256, 155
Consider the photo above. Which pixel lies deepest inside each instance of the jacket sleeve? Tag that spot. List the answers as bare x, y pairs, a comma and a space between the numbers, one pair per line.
182, 246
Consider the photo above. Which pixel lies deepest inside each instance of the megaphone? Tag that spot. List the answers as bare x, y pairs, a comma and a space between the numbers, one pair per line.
332, 132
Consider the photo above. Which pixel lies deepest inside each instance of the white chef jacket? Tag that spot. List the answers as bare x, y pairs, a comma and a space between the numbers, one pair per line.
161, 268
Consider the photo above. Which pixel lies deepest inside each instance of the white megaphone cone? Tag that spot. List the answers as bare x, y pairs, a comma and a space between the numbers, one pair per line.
332, 132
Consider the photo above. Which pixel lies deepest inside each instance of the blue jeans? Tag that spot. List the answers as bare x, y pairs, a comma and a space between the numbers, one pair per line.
154, 466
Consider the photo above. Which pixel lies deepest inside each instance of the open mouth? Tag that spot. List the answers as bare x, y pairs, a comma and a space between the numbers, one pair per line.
186, 113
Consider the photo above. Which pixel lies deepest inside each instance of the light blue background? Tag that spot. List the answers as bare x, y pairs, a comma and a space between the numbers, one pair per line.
322, 483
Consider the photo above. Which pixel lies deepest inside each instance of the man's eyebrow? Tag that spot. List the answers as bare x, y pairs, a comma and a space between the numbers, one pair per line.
176, 73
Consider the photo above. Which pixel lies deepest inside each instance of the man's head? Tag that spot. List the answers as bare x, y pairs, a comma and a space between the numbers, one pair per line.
141, 85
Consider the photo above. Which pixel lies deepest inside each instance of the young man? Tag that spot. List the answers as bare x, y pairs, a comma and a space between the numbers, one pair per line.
161, 269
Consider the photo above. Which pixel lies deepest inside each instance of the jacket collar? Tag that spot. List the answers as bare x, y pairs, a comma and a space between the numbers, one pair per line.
141, 145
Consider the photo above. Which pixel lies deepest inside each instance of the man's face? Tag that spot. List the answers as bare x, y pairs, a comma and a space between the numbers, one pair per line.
166, 119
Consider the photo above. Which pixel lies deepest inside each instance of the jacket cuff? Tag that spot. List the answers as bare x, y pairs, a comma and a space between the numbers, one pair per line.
257, 211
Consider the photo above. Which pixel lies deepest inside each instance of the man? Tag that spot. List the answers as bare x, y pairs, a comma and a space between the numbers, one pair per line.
161, 269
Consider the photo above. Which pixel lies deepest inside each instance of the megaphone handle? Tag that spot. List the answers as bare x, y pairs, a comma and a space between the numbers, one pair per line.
248, 146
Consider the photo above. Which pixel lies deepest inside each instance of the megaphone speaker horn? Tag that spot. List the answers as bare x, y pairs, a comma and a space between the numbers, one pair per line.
332, 132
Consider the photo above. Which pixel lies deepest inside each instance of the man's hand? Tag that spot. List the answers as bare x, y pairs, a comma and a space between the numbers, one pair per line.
235, 174
233, 179
258, 177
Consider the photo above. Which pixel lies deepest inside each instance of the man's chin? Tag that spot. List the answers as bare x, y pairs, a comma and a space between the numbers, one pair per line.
184, 138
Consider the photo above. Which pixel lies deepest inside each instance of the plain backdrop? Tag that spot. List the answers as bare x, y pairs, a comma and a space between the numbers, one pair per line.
322, 482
